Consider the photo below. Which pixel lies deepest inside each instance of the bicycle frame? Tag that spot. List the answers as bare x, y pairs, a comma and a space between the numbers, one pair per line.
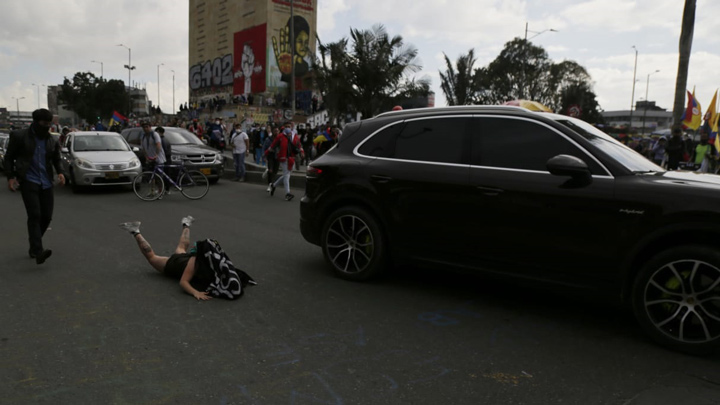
158, 169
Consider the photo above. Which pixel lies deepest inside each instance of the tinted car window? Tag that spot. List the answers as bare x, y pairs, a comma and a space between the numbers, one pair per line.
521, 144
382, 144
178, 136
623, 154
133, 136
428, 140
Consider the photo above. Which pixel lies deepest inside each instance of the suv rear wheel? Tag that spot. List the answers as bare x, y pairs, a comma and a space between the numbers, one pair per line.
676, 299
353, 244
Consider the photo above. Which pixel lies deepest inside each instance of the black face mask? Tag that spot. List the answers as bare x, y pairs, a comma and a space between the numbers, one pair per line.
40, 130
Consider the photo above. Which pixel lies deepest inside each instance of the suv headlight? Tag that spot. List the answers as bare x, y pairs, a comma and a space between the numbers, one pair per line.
220, 158
175, 158
84, 164
135, 162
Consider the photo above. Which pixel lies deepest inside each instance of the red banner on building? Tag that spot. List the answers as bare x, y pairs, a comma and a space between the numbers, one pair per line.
250, 60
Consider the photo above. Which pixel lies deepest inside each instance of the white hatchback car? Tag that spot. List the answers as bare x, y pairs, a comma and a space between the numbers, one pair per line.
96, 158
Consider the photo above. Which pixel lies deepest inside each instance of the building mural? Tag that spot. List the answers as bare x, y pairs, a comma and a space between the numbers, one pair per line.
212, 73
243, 47
250, 55
280, 66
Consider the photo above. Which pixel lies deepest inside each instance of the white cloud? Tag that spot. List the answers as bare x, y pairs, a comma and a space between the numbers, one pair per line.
326, 13
598, 34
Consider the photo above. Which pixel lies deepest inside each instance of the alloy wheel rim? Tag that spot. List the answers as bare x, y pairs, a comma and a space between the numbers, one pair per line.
350, 244
682, 300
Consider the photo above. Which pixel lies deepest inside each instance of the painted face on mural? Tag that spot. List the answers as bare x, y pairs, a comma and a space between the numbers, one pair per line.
301, 44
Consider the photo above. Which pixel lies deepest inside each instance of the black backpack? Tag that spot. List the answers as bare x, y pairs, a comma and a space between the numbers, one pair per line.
292, 148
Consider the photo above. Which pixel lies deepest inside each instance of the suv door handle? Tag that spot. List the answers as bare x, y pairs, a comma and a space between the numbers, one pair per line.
489, 191
380, 179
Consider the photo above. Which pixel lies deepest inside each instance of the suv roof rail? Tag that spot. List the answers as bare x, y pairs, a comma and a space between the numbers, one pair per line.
454, 108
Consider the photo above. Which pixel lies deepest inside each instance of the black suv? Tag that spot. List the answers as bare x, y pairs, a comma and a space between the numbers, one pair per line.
184, 146
535, 196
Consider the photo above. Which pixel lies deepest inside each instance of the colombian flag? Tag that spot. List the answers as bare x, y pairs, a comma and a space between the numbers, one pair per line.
117, 118
714, 131
692, 117
711, 118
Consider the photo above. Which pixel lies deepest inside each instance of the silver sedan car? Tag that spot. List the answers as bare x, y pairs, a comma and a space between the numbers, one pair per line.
97, 158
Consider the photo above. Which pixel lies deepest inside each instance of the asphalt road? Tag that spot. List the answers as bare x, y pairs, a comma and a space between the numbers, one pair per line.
96, 325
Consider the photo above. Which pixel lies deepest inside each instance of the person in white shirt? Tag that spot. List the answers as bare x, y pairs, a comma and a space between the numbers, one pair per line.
240, 143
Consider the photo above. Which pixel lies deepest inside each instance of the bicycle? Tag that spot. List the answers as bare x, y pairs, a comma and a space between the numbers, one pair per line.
149, 185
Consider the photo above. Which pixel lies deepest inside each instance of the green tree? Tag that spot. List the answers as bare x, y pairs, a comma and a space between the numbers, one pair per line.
91, 97
521, 71
581, 95
524, 71
685, 46
562, 76
459, 82
330, 74
369, 73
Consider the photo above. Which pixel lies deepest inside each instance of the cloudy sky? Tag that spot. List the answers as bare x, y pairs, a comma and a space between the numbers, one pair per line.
43, 41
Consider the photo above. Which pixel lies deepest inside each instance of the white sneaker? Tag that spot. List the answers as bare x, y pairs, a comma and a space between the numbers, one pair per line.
269, 187
188, 220
132, 227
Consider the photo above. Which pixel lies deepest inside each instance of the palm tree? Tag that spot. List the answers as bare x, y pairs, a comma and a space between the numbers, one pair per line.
459, 86
369, 73
686, 38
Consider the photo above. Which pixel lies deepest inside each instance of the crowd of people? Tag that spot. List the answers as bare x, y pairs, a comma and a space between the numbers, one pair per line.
279, 148
678, 151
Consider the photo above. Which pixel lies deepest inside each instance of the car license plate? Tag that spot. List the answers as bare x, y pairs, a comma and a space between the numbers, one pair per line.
112, 175
206, 171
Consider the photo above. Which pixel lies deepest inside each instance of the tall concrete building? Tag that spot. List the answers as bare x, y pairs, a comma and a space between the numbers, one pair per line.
242, 47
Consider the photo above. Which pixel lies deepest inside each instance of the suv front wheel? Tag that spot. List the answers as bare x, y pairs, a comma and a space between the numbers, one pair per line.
676, 299
353, 244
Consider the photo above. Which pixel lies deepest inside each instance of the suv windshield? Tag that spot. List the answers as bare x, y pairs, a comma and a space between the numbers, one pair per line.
87, 143
632, 160
179, 136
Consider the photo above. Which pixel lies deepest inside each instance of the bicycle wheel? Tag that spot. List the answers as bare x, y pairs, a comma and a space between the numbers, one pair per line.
148, 186
194, 185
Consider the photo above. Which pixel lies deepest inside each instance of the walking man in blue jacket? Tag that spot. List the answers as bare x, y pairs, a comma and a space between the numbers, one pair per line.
29, 161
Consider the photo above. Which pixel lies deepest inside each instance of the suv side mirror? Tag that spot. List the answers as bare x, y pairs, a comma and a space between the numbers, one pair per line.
64, 150
135, 149
566, 165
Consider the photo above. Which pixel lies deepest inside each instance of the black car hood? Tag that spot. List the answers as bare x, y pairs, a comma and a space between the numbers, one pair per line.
685, 177
189, 149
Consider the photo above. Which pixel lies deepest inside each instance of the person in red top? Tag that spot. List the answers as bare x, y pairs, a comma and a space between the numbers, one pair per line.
286, 156
196, 129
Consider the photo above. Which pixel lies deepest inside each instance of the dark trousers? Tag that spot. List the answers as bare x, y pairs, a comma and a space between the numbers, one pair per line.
273, 166
39, 207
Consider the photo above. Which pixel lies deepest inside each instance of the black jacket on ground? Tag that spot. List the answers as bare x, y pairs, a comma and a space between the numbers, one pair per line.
20, 150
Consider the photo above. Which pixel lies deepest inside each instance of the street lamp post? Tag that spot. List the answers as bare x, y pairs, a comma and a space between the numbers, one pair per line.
38, 92
292, 52
173, 81
632, 99
647, 87
130, 68
17, 105
158, 70
536, 32
101, 67
524, 79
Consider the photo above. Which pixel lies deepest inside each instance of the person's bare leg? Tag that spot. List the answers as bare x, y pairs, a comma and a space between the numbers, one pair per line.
158, 262
184, 242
